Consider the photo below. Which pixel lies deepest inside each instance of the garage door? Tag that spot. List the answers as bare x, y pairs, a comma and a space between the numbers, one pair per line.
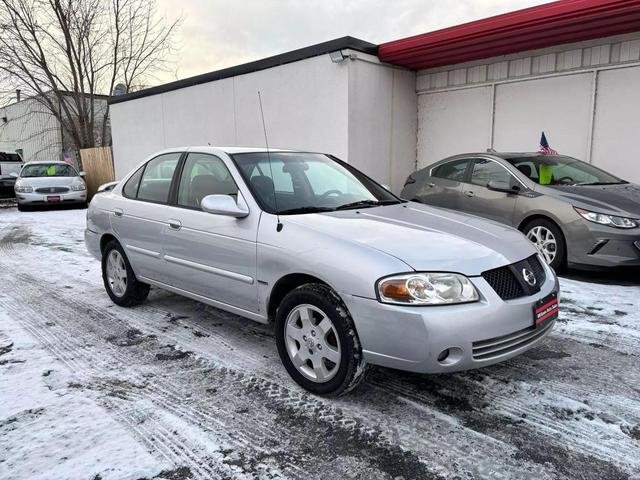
617, 123
559, 106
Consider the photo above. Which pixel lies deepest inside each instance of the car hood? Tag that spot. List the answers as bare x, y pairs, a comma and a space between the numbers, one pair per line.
622, 199
48, 181
426, 238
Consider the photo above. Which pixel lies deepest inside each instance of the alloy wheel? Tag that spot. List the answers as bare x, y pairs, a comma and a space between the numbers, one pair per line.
116, 273
544, 241
312, 343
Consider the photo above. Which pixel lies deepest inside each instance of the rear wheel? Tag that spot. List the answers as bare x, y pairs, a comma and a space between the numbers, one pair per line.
317, 341
549, 240
118, 277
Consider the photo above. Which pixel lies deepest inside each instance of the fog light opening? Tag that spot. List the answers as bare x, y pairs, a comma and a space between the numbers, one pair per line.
443, 355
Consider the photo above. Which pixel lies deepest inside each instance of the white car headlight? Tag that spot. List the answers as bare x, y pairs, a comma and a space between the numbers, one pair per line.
19, 188
604, 219
77, 187
427, 289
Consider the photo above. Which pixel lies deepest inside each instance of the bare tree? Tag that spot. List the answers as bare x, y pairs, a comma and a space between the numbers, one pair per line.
66, 53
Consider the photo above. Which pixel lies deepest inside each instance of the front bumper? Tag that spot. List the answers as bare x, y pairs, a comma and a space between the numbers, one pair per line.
476, 334
42, 199
593, 245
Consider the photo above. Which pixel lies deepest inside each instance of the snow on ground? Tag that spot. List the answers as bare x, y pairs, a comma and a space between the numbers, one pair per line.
176, 389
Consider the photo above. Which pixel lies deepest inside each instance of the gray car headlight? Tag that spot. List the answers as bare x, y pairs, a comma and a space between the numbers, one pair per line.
604, 219
23, 189
427, 289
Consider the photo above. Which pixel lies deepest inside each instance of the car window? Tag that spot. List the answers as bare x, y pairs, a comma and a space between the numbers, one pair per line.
485, 170
452, 170
130, 189
156, 179
562, 170
48, 170
203, 175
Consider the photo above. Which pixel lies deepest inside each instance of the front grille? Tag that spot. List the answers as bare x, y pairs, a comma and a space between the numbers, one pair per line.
509, 281
497, 346
52, 190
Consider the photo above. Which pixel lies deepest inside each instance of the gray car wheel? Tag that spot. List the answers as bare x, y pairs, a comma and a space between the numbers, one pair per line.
317, 341
119, 280
548, 240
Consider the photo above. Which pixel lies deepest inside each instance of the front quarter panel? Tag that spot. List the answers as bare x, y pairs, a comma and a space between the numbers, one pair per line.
346, 267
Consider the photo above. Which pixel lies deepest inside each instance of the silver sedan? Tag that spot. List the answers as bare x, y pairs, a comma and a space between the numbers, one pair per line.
49, 183
349, 274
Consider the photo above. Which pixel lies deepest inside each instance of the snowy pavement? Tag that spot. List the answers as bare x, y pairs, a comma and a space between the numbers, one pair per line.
175, 389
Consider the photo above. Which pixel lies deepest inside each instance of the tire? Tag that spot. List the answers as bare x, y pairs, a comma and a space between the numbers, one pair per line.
536, 229
127, 292
22, 208
338, 339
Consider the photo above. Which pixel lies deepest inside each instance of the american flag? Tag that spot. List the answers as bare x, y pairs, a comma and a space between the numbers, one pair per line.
544, 146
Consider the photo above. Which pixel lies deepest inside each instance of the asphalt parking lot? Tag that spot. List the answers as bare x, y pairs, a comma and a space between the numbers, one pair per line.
176, 389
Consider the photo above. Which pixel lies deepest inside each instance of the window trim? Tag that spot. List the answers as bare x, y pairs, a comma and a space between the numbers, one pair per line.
181, 156
174, 199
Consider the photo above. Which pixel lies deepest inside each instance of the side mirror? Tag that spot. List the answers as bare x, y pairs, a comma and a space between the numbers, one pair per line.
503, 187
225, 205
13, 174
83, 174
106, 187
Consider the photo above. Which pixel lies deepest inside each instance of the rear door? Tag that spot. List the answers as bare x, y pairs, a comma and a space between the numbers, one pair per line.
443, 187
208, 254
479, 200
139, 215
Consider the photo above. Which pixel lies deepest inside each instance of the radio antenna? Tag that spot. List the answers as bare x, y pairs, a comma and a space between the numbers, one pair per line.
266, 142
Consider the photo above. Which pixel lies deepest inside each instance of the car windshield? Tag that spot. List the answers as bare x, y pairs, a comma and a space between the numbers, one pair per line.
48, 170
294, 182
561, 170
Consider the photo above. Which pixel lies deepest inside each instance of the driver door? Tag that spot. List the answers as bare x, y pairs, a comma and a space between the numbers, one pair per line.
208, 254
479, 200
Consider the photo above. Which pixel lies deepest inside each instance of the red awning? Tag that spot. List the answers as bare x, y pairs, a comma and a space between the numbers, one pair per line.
554, 23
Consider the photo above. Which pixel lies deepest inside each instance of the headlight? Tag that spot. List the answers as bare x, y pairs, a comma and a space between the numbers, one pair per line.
604, 219
78, 187
23, 189
427, 289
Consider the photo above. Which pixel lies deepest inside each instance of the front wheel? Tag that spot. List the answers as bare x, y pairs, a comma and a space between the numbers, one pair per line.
317, 341
549, 240
118, 277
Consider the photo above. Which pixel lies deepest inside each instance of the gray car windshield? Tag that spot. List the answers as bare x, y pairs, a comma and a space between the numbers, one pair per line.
294, 182
561, 170
48, 170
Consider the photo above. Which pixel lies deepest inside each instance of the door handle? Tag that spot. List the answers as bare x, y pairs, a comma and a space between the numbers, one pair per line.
469, 193
118, 212
175, 224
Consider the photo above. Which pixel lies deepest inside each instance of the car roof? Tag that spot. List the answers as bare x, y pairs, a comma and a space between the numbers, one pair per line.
233, 150
47, 162
505, 155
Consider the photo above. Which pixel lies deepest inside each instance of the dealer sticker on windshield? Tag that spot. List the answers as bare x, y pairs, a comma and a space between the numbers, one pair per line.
546, 310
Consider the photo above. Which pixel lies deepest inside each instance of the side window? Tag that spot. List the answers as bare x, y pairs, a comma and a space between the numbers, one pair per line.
452, 170
204, 175
130, 189
486, 170
156, 179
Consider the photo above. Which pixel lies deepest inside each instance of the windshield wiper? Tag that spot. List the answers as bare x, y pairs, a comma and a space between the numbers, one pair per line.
599, 183
307, 209
367, 203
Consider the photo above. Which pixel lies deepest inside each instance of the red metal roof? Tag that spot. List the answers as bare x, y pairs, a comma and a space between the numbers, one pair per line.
554, 23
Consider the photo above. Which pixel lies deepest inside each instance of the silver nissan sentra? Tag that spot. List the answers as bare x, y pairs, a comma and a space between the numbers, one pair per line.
349, 274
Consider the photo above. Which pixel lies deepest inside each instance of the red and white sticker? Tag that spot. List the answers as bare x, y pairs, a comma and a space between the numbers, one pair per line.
548, 310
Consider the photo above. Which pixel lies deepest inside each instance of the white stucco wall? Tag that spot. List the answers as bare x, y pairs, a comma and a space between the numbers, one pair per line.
359, 110
305, 107
584, 96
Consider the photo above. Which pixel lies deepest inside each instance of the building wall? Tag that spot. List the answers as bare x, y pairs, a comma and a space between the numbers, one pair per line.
305, 107
359, 110
30, 127
584, 96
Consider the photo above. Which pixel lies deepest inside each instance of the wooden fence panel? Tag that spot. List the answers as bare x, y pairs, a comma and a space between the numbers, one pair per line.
98, 165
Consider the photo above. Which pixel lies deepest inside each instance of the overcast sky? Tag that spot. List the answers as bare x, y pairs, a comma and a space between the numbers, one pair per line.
222, 33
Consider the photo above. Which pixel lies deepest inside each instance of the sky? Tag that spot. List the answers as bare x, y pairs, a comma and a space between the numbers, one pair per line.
221, 33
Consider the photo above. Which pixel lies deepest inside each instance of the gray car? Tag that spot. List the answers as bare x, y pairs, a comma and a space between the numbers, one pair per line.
348, 273
572, 211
